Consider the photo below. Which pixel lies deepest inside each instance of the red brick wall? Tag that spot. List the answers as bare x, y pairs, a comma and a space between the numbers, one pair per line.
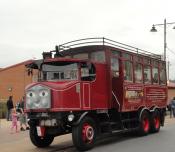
171, 94
15, 77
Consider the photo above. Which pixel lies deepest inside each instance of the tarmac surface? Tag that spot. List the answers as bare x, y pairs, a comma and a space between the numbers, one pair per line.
20, 142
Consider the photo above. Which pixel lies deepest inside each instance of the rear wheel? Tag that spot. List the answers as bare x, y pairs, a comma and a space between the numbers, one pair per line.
84, 134
39, 141
144, 125
155, 121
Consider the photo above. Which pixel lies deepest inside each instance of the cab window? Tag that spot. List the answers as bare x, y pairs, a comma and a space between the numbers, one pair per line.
88, 72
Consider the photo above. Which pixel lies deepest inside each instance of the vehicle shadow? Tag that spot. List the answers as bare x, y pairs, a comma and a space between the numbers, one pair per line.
104, 140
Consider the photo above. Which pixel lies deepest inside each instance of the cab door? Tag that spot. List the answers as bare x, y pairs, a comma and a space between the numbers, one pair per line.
116, 78
95, 86
86, 86
86, 95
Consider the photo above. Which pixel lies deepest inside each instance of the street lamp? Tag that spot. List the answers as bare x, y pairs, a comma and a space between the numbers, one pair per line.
155, 30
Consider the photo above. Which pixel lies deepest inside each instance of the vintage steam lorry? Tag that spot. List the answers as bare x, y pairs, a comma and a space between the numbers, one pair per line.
94, 86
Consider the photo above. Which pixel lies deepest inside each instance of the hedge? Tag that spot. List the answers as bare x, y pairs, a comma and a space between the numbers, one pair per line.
3, 110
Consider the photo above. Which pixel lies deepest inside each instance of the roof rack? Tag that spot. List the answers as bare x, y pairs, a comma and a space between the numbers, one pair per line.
105, 42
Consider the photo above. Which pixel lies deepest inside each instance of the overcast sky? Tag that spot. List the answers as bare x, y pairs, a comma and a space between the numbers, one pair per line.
29, 27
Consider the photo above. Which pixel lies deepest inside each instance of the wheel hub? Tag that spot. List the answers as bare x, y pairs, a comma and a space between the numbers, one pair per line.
146, 124
87, 133
156, 122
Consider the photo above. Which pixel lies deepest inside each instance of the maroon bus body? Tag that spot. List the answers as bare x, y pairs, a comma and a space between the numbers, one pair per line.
107, 103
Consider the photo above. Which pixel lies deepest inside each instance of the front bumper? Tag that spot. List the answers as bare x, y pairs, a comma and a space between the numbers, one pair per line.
49, 119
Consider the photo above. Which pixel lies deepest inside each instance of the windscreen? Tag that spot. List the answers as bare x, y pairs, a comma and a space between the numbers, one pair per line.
59, 71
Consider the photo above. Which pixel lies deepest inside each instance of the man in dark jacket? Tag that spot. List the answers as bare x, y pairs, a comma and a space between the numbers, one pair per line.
9, 107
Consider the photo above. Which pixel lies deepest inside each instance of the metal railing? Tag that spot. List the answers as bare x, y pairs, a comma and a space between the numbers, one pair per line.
105, 42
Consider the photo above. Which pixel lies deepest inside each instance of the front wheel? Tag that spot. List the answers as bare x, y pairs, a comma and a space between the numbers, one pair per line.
84, 134
39, 141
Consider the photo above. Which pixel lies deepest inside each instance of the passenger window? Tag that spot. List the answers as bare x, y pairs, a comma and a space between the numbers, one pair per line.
88, 72
115, 53
138, 59
162, 74
98, 56
138, 73
155, 75
147, 61
128, 71
127, 56
115, 67
147, 74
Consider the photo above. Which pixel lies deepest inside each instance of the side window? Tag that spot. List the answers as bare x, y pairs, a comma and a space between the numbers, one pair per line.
98, 56
88, 72
128, 71
138, 72
155, 75
115, 67
162, 74
147, 74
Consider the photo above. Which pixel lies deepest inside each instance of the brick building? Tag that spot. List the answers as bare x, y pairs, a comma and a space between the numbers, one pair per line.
171, 91
13, 81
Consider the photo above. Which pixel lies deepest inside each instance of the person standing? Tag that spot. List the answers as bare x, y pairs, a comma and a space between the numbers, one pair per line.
9, 107
173, 106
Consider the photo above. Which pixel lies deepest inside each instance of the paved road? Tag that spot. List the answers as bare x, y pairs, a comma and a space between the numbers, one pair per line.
161, 142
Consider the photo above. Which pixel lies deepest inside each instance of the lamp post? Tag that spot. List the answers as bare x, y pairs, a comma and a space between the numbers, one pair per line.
155, 30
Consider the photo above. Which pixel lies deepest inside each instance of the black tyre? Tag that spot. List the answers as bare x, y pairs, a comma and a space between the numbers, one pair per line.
39, 141
144, 124
155, 122
84, 134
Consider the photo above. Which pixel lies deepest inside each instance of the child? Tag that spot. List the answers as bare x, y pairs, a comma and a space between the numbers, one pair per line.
14, 120
22, 120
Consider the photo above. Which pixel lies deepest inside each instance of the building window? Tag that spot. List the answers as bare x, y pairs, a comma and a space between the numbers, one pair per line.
115, 67
147, 74
128, 71
98, 56
138, 73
